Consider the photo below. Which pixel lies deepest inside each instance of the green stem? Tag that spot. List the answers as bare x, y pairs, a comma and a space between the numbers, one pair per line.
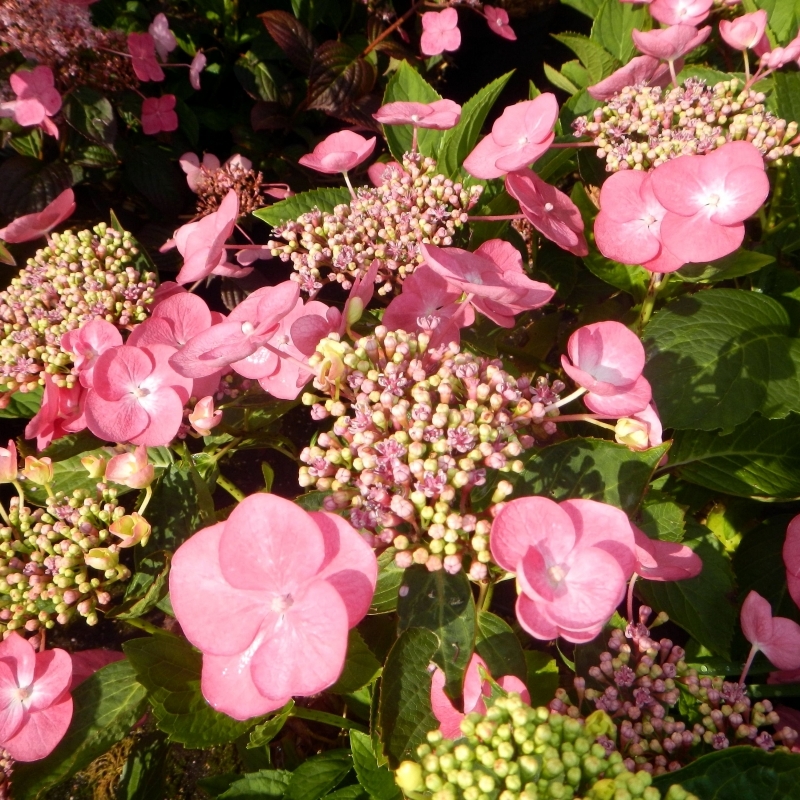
148, 493
485, 595
218, 455
234, 491
327, 719
657, 283
20, 494
777, 191
4, 515
145, 626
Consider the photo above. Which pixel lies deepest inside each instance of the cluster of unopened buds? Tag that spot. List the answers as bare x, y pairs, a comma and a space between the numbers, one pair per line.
412, 206
515, 752
78, 277
416, 431
644, 126
643, 680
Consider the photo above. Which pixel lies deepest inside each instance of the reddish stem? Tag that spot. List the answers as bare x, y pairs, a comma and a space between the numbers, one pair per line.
391, 29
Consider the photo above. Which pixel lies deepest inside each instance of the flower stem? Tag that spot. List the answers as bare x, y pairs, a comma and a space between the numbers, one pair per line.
391, 29
746, 66
497, 218
4, 515
569, 398
748, 664
657, 283
326, 719
578, 418
234, 491
630, 598
148, 494
20, 494
349, 185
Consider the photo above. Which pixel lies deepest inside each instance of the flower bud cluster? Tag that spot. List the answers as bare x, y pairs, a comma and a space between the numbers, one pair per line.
416, 431
59, 562
6, 770
641, 682
515, 752
78, 277
642, 126
411, 207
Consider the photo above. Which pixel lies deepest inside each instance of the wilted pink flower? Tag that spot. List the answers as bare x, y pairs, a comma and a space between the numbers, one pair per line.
158, 114
269, 596
493, 278
142, 48
521, 134
339, 152
641, 70
550, 211
680, 12
190, 164
195, 68
32, 226
137, 396
745, 32
439, 32
8, 462
498, 22
791, 557
671, 43
628, 227
572, 561
607, 359
708, 198
778, 638
37, 99
249, 326
475, 689
87, 344
439, 115
61, 412
641, 430
131, 469
35, 703
657, 560
163, 38
203, 417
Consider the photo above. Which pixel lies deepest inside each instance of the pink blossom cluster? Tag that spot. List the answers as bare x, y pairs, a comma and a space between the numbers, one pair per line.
416, 430
641, 126
411, 207
77, 277
440, 32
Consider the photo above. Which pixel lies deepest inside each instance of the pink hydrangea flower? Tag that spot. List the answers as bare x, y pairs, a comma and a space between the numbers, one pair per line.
628, 227
493, 278
195, 69
572, 561
37, 99
498, 22
158, 115
745, 32
339, 152
641, 70
131, 469
35, 703
439, 32
521, 134
550, 211
137, 396
778, 638
163, 38
62, 412
791, 557
607, 359
671, 43
439, 115
203, 417
664, 561
87, 344
269, 596
708, 198
8, 462
475, 689
680, 12
32, 226
142, 48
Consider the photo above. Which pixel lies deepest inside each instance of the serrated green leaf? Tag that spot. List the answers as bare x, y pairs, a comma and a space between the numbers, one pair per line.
293, 207
264, 733
662, 518
741, 262
143, 774
760, 458
457, 143
259, 785
598, 61
318, 775
146, 589
22, 405
360, 666
613, 25
377, 780
92, 115
542, 677
352, 792
577, 73
560, 81
404, 710
497, 645
390, 576
588, 7
442, 603
593, 469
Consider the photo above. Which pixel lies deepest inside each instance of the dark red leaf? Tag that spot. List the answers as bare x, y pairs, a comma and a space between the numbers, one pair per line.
292, 37
268, 116
339, 77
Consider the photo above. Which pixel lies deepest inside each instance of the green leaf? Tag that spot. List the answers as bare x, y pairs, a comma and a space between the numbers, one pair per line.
293, 207
577, 73
497, 645
146, 589
169, 667
613, 25
700, 605
662, 518
631, 279
405, 85
740, 773
404, 710
442, 603
5, 256
107, 704
91, 114
758, 459
542, 677
22, 405
741, 262
716, 357
264, 733
143, 774
588, 7
597, 60
592, 469
457, 143
151, 170
352, 792
318, 775
259, 785
560, 81
376, 779
390, 576
360, 666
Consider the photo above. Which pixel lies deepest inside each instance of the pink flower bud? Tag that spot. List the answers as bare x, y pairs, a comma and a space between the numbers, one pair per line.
131, 469
38, 470
8, 462
132, 529
632, 433
203, 418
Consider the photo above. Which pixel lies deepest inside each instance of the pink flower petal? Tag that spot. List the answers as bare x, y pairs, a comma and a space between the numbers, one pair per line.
32, 226
41, 731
